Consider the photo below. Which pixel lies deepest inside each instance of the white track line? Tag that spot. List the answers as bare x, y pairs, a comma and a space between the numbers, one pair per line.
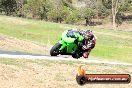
61, 58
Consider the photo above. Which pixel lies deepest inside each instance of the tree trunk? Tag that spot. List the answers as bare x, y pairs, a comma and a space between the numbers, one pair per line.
33, 15
86, 21
113, 21
97, 7
113, 15
57, 20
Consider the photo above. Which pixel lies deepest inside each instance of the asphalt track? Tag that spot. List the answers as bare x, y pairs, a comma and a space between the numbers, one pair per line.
13, 54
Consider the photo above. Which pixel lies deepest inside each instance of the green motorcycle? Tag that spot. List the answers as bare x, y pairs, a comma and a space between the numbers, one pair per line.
67, 46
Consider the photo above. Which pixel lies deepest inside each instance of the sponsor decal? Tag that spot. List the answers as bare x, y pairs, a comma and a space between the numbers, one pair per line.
83, 78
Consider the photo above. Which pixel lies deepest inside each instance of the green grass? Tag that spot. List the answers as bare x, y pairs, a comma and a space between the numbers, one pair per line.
111, 44
30, 29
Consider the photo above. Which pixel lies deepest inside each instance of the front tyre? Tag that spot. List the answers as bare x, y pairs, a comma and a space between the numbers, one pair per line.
55, 49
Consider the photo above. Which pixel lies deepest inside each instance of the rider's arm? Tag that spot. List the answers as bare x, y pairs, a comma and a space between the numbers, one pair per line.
79, 37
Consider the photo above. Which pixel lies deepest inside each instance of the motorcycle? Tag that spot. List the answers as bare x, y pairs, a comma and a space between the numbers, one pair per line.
67, 46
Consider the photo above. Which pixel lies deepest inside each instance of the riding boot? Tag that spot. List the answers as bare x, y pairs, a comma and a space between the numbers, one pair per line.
76, 55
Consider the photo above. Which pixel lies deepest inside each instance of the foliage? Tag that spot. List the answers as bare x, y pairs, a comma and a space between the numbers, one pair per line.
107, 3
87, 14
58, 13
104, 12
119, 18
127, 7
64, 10
8, 6
44, 8
72, 17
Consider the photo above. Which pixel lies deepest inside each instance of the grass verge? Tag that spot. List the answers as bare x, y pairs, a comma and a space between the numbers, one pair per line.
111, 44
17, 73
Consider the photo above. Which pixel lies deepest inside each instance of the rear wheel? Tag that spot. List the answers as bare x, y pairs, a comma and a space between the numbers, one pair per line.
55, 49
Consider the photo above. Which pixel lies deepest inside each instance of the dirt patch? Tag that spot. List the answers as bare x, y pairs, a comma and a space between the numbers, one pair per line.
54, 75
9, 43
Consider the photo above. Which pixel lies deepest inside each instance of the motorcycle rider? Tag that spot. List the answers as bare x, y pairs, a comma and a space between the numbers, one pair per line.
88, 42
84, 39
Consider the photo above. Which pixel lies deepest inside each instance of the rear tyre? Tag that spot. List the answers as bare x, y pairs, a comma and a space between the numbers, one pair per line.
55, 49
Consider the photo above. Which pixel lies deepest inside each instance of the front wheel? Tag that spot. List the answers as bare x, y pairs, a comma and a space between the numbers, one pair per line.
55, 49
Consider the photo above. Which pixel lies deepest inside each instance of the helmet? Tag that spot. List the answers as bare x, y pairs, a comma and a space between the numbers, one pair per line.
88, 34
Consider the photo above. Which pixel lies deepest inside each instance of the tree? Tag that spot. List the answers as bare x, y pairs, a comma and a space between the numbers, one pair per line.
96, 7
0, 6
87, 14
58, 14
44, 8
20, 7
119, 18
72, 17
8, 6
59, 11
127, 7
115, 6
33, 7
